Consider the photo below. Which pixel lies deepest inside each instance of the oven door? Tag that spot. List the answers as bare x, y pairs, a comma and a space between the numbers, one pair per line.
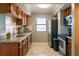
62, 46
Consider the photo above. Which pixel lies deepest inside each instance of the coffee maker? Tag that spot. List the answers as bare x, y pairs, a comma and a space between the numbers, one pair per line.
19, 30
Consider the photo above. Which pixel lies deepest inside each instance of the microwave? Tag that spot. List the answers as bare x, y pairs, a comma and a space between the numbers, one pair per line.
68, 20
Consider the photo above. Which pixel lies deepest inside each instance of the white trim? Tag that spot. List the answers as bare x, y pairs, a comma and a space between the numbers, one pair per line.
73, 29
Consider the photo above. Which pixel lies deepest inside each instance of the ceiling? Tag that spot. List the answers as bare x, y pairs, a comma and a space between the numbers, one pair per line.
36, 9
33, 8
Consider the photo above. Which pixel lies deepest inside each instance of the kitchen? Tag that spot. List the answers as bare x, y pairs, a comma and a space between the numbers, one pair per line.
20, 29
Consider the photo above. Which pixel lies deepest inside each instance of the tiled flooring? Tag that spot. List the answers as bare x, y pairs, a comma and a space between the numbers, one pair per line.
41, 49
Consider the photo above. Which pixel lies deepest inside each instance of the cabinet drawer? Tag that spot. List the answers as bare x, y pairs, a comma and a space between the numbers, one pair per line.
69, 41
3, 52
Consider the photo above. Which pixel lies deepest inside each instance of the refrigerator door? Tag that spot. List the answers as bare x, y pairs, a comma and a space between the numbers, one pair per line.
54, 28
54, 34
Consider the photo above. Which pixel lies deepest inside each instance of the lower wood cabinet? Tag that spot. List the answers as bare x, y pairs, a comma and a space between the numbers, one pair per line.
9, 49
25, 46
69, 47
15, 48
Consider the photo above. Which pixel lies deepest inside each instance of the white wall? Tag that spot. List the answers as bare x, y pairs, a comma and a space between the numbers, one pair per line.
38, 36
59, 22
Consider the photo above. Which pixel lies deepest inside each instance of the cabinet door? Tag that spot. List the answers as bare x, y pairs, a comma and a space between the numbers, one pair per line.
24, 49
12, 49
28, 42
23, 20
20, 52
65, 13
18, 21
69, 50
8, 49
26, 18
30, 38
69, 47
14, 9
24, 45
4, 7
3, 49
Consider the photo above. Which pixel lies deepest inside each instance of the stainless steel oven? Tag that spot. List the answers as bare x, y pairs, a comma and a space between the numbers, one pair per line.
62, 46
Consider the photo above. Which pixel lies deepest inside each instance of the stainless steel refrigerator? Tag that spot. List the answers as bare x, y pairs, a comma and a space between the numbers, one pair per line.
53, 34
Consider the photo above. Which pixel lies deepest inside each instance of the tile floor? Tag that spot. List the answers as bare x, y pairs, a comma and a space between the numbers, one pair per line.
41, 49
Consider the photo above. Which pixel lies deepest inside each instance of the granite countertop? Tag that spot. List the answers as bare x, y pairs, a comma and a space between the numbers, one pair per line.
17, 39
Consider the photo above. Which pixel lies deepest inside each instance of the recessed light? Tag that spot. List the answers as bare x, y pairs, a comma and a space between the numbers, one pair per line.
43, 5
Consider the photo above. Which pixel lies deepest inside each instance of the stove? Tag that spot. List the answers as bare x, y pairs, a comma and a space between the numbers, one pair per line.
62, 43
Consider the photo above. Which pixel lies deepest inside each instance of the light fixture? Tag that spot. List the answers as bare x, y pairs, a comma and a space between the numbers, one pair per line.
43, 5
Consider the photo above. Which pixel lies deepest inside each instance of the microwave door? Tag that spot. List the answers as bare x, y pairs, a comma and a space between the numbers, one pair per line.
69, 20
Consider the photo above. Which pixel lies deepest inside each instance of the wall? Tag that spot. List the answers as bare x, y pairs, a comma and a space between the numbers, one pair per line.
38, 36
73, 28
6, 25
59, 22
76, 33
2, 23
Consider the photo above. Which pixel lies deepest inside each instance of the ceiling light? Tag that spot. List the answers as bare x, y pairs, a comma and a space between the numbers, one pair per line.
43, 5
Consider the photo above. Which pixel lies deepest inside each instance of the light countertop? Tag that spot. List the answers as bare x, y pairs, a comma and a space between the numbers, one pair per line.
17, 39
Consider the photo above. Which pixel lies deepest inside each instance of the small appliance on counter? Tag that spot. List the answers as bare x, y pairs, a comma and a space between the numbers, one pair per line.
19, 30
25, 29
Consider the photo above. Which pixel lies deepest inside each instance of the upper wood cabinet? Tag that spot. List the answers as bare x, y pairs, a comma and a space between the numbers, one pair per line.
67, 11
13, 8
25, 19
4, 8
15, 11
19, 12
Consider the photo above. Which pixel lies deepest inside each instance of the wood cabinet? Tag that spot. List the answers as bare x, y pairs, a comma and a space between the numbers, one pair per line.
67, 11
4, 8
18, 21
15, 48
20, 50
29, 41
25, 19
25, 46
8, 8
69, 47
7, 49
15, 11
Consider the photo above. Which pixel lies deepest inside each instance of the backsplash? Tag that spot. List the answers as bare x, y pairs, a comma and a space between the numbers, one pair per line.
64, 29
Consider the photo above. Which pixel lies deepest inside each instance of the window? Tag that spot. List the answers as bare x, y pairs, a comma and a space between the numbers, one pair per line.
41, 24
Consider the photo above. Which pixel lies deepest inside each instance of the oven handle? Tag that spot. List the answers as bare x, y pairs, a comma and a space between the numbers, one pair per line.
61, 39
